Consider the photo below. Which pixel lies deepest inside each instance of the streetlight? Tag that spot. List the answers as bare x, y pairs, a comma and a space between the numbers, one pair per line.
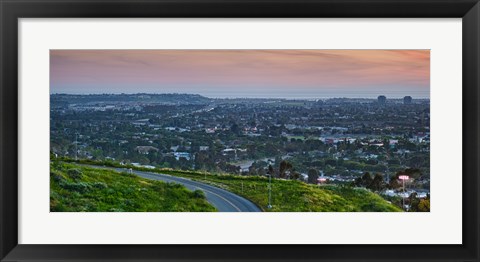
403, 178
269, 191
76, 146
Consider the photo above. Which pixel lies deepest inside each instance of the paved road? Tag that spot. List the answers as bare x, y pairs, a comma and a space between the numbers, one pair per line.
223, 200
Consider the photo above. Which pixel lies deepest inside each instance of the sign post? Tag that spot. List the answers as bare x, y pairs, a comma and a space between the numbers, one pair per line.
403, 178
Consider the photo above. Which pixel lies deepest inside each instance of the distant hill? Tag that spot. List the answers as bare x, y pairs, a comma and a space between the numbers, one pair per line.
173, 99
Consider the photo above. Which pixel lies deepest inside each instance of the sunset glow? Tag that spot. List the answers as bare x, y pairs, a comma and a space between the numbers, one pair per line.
243, 73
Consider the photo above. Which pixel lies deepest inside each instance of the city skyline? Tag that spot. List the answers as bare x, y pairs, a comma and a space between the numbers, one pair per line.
295, 74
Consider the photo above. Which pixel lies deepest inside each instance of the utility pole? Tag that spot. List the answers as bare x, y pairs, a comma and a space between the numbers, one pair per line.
403, 178
387, 178
269, 191
403, 198
76, 146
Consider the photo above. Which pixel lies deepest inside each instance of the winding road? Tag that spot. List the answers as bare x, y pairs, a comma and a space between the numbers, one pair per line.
223, 200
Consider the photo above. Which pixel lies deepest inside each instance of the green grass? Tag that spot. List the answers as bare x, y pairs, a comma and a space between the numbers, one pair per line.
295, 196
75, 188
287, 195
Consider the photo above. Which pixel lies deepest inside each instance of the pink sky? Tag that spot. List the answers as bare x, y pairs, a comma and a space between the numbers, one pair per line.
243, 73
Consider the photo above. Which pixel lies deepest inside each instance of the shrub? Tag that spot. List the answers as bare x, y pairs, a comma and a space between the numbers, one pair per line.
81, 187
199, 194
56, 177
74, 173
99, 185
127, 174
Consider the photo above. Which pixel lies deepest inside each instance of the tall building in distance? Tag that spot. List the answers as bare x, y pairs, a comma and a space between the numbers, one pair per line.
382, 100
407, 100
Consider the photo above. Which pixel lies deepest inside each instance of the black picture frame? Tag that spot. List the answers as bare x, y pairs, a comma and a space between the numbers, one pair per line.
12, 10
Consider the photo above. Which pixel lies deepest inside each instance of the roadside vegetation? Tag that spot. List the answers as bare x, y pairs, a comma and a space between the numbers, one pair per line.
294, 196
287, 195
76, 188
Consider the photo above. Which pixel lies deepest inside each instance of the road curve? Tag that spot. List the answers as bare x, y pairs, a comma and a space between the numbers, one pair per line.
223, 200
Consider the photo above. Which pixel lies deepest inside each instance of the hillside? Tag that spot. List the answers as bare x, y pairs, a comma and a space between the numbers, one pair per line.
295, 196
287, 195
75, 188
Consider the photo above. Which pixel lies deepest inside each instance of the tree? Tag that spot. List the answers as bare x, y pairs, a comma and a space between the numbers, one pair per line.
414, 201
284, 167
295, 175
270, 171
234, 128
261, 172
424, 205
312, 176
377, 183
419, 205
331, 162
364, 181
252, 170
417, 161
394, 184
232, 169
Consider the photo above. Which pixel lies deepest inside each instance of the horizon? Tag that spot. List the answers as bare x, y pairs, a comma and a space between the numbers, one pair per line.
245, 97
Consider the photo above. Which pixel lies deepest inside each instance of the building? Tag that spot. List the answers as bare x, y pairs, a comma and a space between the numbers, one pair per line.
382, 100
179, 155
146, 149
204, 148
407, 100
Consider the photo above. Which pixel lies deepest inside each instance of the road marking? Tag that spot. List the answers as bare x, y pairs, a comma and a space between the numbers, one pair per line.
238, 209
226, 200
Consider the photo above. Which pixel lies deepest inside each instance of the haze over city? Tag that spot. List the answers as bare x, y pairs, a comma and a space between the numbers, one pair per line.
244, 73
